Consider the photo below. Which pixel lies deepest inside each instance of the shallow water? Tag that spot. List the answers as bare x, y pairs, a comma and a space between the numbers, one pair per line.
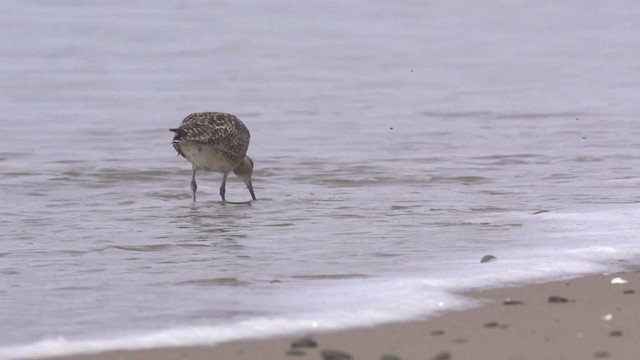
395, 145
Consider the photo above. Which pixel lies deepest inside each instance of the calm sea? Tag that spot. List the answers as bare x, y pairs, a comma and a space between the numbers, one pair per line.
395, 143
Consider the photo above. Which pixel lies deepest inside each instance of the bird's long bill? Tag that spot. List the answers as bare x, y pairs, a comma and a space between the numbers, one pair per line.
247, 182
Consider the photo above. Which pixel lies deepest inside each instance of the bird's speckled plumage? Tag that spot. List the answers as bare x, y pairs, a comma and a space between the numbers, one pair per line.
223, 132
214, 141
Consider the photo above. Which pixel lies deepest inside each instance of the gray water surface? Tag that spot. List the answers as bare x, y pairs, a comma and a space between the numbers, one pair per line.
391, 141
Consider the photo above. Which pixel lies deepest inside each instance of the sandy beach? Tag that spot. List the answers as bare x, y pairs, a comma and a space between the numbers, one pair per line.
591, 317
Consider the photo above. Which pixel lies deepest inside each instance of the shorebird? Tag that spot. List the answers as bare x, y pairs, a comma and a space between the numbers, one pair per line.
214, 141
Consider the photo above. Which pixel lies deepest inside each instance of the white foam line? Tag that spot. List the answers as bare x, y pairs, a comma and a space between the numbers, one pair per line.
214, 335
193, 336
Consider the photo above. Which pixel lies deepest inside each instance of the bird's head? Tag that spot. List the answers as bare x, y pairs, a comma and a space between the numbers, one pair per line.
244, 171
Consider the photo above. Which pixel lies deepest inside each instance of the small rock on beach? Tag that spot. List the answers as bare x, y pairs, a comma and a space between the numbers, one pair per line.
444, 355
491, 324
305, 342
557, 299
512, 302
335, 355
295, 352
619, 280
615, 333
390, 357
488, 258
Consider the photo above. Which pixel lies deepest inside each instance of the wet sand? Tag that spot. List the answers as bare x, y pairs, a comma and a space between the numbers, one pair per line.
592, 317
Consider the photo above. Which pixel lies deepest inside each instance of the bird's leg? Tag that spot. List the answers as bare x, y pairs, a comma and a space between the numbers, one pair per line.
194, 186
222, 186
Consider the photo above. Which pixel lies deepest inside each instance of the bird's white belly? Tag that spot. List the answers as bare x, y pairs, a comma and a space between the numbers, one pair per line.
205, 157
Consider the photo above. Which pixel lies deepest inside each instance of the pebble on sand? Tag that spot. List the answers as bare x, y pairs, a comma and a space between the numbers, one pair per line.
491, 324
601, 354
390, 357
305, 342
437, 332
512, 302
488, 258
443, 355
335, 355
615, 333
295, 352
619, 280
557, 299
629, 292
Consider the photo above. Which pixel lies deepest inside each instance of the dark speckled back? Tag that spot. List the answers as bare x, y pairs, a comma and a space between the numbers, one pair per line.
224, 132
